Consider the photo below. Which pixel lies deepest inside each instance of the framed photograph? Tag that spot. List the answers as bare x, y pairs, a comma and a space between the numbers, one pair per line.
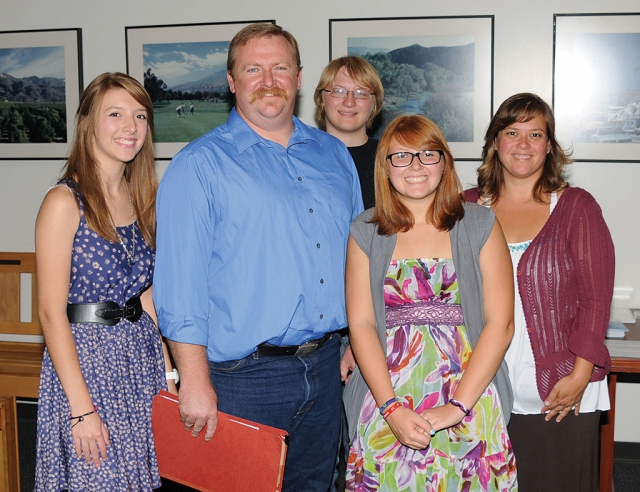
40, 86
440, 67
184, 69
596, 85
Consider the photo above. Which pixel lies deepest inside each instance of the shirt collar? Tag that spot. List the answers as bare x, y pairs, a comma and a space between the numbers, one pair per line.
244, 136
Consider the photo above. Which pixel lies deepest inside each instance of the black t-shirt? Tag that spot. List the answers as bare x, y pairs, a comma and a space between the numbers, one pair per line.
364, 156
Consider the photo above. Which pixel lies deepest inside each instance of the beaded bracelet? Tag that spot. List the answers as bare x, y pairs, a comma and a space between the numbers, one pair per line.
80, 418
385, 405
391, 409
460, 405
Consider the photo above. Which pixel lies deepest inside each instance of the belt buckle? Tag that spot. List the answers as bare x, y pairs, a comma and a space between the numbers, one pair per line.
306, 348
132, 309
128, 311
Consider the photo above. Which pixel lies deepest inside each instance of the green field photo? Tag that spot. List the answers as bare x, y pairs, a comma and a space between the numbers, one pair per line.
169, 127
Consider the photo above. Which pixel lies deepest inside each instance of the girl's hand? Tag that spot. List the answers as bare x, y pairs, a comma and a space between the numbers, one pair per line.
410, 428
90, 438
347, 364
443, 416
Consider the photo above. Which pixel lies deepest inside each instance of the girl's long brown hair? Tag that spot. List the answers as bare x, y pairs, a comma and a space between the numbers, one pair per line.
140, 174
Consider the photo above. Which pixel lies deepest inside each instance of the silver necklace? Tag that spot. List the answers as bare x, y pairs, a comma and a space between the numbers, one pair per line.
130, 253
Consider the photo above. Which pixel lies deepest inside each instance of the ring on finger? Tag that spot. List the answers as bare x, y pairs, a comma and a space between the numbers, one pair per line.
432, 432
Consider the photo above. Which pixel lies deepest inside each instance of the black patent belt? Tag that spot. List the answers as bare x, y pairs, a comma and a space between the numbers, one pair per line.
306, 348
105, 313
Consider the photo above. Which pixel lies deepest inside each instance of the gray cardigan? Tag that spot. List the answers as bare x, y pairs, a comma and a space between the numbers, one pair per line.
468, 237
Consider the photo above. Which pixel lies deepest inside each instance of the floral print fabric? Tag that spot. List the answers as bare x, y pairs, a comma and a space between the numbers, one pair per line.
427, 353
123, 366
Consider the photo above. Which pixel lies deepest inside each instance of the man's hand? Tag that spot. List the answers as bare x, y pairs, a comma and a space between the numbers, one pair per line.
198, 402
198, 408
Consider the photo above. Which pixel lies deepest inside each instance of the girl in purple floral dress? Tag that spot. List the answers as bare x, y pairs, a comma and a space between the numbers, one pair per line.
104, 359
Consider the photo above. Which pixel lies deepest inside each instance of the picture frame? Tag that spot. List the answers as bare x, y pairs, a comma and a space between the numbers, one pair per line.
596, 85
40, 87
183, 67
448, 72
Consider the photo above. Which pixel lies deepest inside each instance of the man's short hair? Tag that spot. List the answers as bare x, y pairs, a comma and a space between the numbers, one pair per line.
256, 31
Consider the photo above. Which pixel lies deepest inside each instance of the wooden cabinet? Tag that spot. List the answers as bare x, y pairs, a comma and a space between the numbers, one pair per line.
9, 457
19, 377
19, 362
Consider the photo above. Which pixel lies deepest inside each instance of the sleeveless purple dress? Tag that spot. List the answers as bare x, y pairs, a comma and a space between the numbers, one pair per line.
123, 366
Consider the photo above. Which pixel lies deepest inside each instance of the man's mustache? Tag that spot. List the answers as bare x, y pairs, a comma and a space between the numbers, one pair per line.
264, 92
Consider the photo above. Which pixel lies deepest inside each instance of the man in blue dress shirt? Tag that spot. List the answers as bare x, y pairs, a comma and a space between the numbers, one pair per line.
253, 222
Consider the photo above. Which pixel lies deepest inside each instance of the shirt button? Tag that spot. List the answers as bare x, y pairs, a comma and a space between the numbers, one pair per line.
318, 245
310, 210
321, 316
322, 281
299, 178
518, 272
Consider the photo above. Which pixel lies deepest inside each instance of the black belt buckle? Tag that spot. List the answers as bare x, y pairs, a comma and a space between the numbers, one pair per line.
133, 309
108, 314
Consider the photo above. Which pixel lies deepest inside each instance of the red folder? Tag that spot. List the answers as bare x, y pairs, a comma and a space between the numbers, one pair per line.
242, 456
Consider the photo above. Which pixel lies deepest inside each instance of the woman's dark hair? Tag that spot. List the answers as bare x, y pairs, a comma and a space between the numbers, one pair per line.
521, 108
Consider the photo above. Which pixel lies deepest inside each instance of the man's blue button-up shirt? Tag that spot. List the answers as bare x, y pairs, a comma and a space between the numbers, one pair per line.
251, 239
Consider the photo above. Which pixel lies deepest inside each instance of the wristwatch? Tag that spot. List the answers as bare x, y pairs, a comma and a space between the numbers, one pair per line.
173, 375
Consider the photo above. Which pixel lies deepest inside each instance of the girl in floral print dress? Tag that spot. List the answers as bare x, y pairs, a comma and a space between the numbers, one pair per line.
429, 286
95, 235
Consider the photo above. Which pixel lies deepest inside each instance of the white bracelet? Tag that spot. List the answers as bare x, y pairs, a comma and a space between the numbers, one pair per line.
173, 375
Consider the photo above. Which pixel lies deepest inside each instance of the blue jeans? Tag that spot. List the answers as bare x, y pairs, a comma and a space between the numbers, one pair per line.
339, 472
302, 395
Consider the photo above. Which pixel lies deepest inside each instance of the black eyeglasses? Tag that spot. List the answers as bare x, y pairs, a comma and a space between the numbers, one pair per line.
341, 93
426, 158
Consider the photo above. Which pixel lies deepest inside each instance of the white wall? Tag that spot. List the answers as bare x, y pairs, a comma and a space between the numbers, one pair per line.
523, 59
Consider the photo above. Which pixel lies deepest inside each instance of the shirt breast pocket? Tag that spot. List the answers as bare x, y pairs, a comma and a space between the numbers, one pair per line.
339, 198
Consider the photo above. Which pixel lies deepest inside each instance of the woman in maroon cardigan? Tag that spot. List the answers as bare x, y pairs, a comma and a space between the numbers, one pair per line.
563, 260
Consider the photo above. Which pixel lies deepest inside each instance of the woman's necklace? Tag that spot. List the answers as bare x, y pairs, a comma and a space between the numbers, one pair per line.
130, 253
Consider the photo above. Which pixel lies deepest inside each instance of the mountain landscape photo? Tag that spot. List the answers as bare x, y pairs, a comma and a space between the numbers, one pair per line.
435, 81
31, 89
33, 102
